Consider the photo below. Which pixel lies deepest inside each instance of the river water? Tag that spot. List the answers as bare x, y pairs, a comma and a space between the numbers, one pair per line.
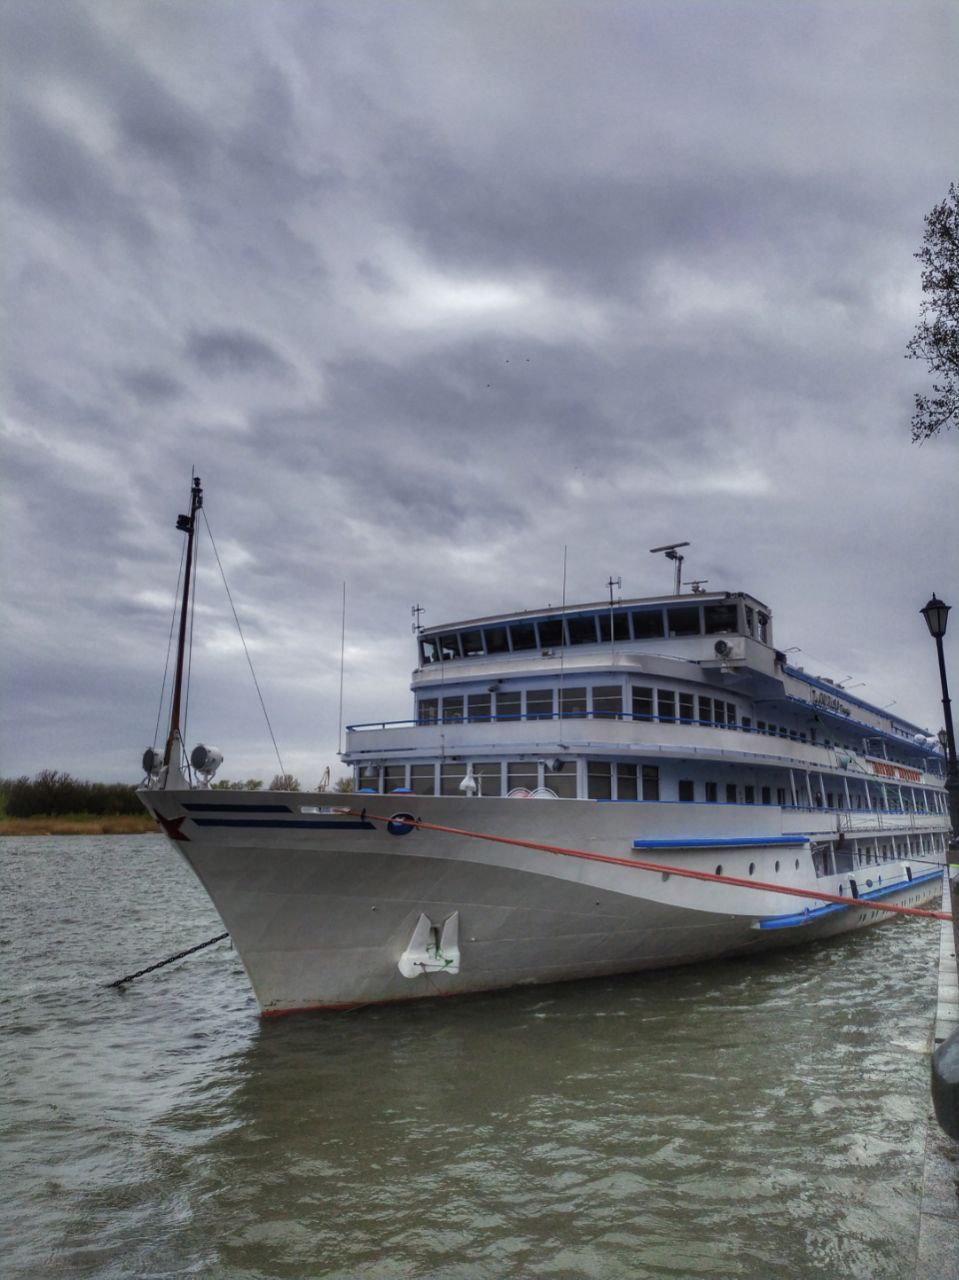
748, 1119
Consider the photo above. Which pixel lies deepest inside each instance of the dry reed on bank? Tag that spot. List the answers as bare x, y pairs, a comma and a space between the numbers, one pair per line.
120, 825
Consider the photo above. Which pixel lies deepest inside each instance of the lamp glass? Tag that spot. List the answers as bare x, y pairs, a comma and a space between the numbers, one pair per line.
936, 613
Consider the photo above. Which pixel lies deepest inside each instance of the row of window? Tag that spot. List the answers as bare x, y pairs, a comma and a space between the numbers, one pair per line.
651, 623
640, 702
618, 781
633, 782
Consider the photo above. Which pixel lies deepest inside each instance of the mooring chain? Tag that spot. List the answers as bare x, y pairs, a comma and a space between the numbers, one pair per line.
169, 960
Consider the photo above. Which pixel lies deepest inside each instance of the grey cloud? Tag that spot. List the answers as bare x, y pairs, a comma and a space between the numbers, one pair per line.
219, 352
150, 385
57, 173
237, 246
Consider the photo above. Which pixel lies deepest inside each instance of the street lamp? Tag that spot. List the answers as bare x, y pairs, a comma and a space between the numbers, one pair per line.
936, 614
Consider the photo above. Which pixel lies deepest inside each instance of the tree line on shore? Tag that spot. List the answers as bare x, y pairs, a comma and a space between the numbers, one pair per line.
51, 794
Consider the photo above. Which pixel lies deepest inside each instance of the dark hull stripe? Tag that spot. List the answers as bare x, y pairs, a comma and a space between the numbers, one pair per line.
238, 808
290, 824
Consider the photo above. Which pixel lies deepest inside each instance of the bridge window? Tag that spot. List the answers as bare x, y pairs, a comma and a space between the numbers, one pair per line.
719, 618
550, 632
730, 793
449, 646
712, 792
394, 776
620, 626
706, 710
428, 712
686, 713
749, 794
684, 620
608, 701
429, 652
539, 704
452, 710
687, 790
648, 624
582, 629
719, 712
472, 642
763, 627
766, 795
496, 640
650, 782
523, 636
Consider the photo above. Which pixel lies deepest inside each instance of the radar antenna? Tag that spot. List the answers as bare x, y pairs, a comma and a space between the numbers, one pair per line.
671, 552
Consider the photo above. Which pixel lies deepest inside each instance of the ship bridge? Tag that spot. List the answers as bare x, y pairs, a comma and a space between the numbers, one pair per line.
640, 624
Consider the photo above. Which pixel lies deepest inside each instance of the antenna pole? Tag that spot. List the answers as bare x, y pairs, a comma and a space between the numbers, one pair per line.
339, 741
186, 524
612, 582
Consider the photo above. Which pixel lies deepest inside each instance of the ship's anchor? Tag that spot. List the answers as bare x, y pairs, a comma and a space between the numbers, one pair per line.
431, 949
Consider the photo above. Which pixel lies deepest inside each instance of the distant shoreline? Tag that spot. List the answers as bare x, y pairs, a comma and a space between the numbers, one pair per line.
132, 824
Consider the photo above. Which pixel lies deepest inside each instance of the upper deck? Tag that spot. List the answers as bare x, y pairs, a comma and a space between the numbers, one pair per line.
624, 624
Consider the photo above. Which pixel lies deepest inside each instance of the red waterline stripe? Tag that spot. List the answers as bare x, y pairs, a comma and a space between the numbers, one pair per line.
640, 865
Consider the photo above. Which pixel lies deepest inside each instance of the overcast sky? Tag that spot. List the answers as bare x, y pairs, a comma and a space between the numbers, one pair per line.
427, 291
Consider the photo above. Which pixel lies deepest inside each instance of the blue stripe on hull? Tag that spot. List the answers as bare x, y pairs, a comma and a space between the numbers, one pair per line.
720, 842
807, 917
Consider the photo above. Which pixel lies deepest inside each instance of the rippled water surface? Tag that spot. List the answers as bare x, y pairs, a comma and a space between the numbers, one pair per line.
747, 1119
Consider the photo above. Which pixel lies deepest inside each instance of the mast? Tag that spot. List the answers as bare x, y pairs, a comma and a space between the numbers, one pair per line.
171, 757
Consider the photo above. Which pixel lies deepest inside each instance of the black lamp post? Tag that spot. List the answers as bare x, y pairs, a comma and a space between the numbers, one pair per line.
936, 615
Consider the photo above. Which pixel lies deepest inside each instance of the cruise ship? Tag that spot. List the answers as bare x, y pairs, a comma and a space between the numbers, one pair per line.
580, 791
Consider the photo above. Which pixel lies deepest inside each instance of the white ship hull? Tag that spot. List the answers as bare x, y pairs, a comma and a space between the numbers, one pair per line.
331, 909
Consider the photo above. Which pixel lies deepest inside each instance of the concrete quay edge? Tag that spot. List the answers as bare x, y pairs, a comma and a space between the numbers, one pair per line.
937, 1255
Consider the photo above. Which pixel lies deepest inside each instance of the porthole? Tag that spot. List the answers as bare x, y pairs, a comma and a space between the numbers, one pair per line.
719, 869
797, 864
752, 867
777, 866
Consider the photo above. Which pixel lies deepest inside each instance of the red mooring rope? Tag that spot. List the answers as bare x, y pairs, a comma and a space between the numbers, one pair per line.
639, 865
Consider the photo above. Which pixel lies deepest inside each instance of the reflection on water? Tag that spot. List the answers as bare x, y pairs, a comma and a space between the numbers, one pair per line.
742, 1119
